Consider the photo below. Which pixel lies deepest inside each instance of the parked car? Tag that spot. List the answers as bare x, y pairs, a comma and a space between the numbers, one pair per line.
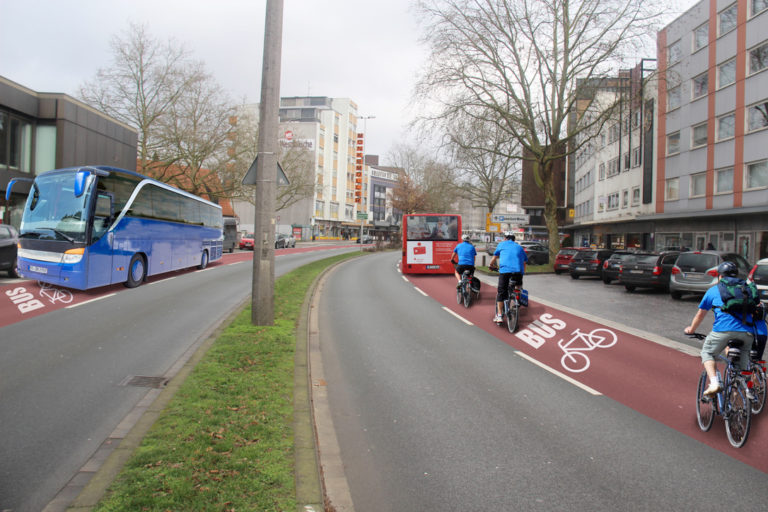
696, 272
246, 242
366, 239
282, 241
759, 275
612, 266
537, 254
564, 257
9, 239
588, 262
648, 270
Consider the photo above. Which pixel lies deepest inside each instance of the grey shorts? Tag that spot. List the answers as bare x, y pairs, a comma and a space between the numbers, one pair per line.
716, 342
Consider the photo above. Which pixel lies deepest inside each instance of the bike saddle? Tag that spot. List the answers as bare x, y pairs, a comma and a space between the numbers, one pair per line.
735, 344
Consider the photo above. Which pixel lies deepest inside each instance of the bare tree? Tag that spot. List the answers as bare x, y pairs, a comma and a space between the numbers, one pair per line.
296, 161
486, 159
524, 65
425, 185
146, 79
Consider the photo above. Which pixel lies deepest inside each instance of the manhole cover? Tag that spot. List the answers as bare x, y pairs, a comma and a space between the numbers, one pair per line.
141, 381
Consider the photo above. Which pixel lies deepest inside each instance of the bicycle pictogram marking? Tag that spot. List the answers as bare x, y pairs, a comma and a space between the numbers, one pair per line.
54, 294
575, 360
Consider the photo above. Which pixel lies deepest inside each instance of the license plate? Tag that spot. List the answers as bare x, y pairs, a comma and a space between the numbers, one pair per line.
39, 270
581, 268
433, 267
635, 271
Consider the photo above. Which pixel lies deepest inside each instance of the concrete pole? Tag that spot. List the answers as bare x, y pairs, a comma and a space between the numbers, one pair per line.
263, 290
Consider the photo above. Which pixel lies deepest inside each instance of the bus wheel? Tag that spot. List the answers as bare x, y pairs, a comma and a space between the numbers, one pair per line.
203, 260
137, 271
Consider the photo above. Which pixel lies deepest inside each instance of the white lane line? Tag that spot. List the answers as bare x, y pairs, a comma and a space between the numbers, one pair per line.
89, 301
420, 291
561, 375
458, 316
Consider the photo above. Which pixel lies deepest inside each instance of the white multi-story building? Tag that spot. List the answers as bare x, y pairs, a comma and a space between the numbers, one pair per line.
328, 128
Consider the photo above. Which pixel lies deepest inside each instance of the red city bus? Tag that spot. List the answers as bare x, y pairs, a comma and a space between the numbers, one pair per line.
428, 242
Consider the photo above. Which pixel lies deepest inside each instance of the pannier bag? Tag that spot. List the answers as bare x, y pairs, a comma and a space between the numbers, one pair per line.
475, 284
524, 297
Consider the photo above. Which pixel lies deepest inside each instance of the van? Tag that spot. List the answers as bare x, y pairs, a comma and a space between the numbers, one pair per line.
230, 234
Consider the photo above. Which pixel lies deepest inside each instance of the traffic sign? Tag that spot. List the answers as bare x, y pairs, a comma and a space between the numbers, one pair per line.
362, 216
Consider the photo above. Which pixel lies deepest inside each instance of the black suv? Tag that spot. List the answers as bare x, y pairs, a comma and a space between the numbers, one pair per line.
588, 262
612, 266
648, 270
9, 238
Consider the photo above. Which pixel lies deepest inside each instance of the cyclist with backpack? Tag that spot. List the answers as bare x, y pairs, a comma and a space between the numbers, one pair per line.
734, 301
465, 252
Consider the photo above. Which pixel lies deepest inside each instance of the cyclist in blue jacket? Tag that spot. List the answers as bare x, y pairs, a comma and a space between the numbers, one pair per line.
726, 327
465, 252
510, 258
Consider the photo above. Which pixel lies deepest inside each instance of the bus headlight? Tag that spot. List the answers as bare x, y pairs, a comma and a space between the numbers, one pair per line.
73, 255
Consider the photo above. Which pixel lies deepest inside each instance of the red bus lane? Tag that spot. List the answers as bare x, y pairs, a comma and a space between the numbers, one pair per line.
27, 299
655, 380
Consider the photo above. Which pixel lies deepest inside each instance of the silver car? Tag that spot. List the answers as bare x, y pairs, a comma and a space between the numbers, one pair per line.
696, 272
759, 275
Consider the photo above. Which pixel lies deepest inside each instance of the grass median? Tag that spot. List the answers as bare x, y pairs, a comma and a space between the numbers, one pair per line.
225, 442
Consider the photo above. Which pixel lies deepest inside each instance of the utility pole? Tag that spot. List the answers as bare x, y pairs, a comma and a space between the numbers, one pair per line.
263, 288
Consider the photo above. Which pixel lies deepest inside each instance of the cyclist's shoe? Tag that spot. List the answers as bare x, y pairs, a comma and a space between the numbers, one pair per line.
458, 286
497, 319
713, 389
751, 395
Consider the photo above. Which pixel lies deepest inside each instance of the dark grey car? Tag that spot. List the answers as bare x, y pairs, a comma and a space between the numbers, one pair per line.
9, 239
612, 266
696, 272
648, 270
588, 262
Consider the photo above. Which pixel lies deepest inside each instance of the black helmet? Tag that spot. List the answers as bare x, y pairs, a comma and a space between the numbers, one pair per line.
728, 269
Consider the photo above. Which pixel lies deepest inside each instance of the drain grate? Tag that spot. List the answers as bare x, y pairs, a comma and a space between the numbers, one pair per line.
141, 381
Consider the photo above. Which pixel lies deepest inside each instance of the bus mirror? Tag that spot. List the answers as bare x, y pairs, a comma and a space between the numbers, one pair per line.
10, 186
80, 179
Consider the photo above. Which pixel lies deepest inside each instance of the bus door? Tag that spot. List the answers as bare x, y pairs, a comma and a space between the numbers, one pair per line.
100, 251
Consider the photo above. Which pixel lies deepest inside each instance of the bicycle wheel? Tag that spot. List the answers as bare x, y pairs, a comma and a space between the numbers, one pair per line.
512, 315
467, 294
575, 362
739, 414
602, 338
705, 406
758, 389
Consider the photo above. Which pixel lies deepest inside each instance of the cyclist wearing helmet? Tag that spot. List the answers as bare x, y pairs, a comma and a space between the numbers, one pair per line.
465, 252
726, 327
509, 258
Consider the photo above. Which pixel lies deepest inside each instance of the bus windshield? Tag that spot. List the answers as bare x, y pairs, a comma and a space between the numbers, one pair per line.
52, 211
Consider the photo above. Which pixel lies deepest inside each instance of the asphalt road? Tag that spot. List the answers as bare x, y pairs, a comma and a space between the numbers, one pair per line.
436, 409
63, 373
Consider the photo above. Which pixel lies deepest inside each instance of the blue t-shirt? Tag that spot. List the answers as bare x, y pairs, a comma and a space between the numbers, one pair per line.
512, 257
466, 252
723, 321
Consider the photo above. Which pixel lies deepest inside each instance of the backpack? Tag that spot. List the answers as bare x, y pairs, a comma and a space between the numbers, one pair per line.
740, 298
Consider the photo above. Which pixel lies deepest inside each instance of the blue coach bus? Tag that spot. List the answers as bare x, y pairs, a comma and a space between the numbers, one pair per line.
85, 227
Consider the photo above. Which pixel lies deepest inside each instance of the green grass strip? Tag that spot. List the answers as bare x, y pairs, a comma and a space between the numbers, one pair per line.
225, 441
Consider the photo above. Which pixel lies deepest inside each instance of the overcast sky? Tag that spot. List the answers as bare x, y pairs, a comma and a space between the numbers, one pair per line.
365, 50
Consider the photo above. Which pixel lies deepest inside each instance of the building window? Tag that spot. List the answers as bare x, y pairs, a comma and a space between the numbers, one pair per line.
758, 58
673, 143
635, 196
757, 117
759, 6
674, 53
613, 201
674, 97
699, 135
698, 184
726, 126
727, 19
636, 157
671, 189
724, 181
726, 73
757, 175
602, 171
700, 85
625, 198
701, 37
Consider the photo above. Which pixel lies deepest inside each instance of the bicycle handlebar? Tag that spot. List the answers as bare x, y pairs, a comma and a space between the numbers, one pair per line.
696, 335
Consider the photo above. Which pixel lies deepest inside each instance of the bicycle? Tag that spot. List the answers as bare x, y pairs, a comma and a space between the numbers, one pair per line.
732, 403
512, 305
757, 367
465, 293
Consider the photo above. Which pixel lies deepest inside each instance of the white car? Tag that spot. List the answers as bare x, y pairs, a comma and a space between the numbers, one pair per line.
759, 274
